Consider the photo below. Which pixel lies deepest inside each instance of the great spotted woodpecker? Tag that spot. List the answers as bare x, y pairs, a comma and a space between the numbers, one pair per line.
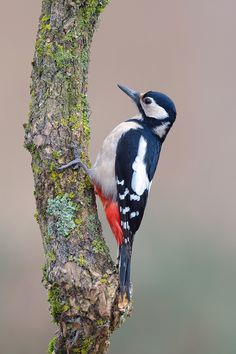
124, 169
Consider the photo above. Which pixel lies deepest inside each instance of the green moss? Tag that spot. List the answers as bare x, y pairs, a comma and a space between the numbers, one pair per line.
78, 221
100, 322
56, 306
45, 274
74, 122
56, 155
84, 59
42, 47
51, 345
81, 260
83, 109
71, 195
32, 148
36, 169
66, 308
87, 343
56, 177
64, 57
51, 257
104, 279
87, 181
99, 246
90, 13
44, 19
36, 216
64, 210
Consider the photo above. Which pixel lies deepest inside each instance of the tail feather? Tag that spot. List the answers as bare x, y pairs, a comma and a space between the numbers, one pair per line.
125, 252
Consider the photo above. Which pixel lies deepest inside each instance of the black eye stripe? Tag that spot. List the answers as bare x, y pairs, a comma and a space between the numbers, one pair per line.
147, 100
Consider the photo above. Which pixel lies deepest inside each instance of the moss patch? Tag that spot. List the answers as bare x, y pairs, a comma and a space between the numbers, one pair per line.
99, 246
56, 306
84, 349
81, 260
51, 345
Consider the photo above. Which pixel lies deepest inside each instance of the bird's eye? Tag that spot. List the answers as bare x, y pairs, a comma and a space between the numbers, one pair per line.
147, 100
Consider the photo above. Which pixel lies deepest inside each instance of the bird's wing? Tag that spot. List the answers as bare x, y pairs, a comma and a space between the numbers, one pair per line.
136, 160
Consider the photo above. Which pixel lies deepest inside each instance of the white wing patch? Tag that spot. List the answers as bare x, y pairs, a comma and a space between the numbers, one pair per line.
140, 181
122, 196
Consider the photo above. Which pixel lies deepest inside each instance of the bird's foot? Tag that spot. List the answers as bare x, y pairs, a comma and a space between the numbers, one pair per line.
76, 163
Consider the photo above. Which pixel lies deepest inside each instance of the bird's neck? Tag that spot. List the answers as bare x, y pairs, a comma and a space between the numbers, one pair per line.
159, 127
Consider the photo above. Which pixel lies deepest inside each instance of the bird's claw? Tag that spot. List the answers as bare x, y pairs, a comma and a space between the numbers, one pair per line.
74, 164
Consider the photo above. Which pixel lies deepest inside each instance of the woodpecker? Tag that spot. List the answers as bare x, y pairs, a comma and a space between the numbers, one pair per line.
124, 169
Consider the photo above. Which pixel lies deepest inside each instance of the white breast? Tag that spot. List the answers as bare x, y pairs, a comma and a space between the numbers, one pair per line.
103, 171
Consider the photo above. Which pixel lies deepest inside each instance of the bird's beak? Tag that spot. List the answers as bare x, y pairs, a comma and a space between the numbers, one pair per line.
135, 95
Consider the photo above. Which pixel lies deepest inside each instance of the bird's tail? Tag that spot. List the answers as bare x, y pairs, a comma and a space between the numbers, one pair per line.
125, 252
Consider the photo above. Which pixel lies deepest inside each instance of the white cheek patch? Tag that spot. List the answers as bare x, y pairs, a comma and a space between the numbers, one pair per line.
140, 181
153, 110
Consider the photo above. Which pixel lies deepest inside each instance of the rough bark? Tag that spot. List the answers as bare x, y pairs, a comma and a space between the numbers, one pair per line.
79, 273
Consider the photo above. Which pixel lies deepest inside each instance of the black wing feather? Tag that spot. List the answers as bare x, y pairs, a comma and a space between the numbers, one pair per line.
131, 206
127, 149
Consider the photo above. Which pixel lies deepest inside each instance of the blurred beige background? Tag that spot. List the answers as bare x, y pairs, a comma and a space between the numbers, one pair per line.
184, 263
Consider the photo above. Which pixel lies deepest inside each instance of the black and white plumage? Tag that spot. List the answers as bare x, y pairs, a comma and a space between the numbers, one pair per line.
136, 146
125, 167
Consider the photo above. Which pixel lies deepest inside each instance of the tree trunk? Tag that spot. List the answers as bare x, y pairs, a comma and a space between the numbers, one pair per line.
79, 273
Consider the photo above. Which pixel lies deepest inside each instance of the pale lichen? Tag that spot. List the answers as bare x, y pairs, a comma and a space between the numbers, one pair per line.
64, 211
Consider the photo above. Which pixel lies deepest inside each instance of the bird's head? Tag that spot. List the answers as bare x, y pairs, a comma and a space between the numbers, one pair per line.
152, 104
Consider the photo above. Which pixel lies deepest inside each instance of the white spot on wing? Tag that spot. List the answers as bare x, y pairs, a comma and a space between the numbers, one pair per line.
125, 210
120, 182
140, 181
122, 196
134, 197
133, 214
125, 225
